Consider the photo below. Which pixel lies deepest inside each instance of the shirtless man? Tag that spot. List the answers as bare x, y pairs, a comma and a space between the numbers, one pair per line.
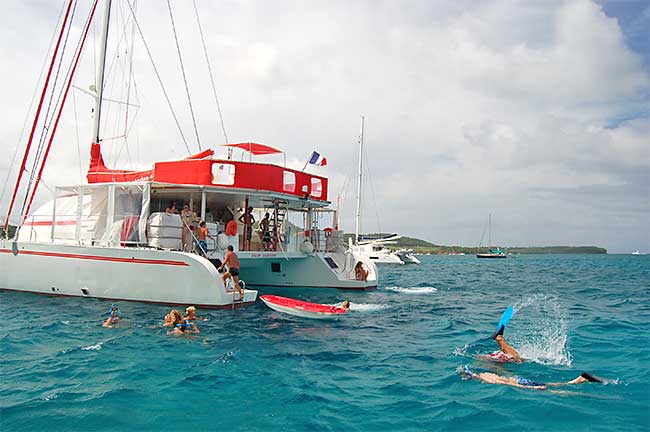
515, 381
201, 234
248, 220
232, 261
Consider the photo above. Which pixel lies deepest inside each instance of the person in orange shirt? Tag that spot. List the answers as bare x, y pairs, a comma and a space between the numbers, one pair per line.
201, 234
231, 227
232, 261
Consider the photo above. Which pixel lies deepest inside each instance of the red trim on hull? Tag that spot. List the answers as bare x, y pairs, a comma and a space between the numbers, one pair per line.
200, 306
49, 223
99, 258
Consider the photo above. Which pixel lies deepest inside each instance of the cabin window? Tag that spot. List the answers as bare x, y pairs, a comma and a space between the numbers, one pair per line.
223, 174
275, 267
289, 182
316, 187
330, 262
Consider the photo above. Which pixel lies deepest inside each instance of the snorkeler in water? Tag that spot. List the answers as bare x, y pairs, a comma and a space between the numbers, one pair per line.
515, 381
506, 353
113, 318
181, 327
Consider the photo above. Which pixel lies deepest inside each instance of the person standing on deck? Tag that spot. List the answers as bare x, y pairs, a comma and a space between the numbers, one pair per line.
201, 234
248, 220
188, 217
265, 234
232, 261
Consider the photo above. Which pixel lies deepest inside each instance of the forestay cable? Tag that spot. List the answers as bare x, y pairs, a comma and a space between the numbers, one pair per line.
155, 69
214, 89
180, 59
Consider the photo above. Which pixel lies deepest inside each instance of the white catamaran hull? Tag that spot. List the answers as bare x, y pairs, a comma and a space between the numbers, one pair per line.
316, 270
148, 275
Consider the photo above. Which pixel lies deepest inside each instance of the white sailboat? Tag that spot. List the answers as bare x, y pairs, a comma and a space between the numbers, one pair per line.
110, 238
375, 248
492, 252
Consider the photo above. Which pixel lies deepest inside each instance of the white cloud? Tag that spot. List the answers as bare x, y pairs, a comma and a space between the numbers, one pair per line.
501, 106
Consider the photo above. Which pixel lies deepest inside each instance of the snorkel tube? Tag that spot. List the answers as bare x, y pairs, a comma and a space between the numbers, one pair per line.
114, 311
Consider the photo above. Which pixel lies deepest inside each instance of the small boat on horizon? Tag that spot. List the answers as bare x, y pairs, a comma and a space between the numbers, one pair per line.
493, 252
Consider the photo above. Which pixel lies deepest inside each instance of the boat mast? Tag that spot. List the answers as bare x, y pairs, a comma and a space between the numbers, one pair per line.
489, 230
99, 83
358, 224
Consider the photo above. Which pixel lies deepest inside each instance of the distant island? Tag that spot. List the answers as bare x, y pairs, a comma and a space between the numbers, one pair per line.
424, 247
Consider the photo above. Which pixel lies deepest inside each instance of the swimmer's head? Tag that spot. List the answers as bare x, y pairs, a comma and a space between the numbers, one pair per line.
190, 310
114, 311
345, 304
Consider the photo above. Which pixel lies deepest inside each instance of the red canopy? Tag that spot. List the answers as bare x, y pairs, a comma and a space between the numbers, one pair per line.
255, 148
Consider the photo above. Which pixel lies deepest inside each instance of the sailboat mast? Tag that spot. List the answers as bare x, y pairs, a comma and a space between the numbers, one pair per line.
489, 230
358, 221
99, 84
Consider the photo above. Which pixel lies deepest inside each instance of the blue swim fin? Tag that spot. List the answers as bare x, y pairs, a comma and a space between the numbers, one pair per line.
504, 320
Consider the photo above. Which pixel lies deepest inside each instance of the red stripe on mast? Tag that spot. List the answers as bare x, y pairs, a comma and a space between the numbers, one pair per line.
38, 113
58, 116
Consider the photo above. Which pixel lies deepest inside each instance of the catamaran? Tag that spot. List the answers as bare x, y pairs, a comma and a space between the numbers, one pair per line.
119, 237
374, 247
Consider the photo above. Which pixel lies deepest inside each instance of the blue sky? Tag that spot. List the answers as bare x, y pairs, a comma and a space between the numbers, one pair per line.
634, 19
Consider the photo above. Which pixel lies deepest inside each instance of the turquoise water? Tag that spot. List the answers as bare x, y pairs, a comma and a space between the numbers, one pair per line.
389, 365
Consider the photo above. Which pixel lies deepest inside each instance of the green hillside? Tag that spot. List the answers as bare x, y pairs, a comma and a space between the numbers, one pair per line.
423, 246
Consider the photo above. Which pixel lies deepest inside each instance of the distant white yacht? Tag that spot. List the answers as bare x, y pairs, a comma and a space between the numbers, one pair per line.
374, 248
637, 253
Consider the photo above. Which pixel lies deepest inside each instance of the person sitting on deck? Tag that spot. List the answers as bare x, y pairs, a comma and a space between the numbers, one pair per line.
232, 261
172, 208
201, 234
360, 273
515, 381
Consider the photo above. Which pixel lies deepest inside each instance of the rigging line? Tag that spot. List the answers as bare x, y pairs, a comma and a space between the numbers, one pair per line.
144, 42
124, 41
214, 88
38, 112
48, 119
372, 190
77, 56
187, 89
76, 127
31, 105
47, 122
130, 80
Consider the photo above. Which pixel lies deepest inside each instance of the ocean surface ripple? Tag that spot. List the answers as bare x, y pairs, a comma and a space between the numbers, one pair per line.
389, 364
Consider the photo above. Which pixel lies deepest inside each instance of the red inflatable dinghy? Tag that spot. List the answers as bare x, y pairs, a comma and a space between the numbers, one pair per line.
301, 308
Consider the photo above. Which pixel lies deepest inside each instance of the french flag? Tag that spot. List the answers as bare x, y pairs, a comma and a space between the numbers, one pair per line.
317, 159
